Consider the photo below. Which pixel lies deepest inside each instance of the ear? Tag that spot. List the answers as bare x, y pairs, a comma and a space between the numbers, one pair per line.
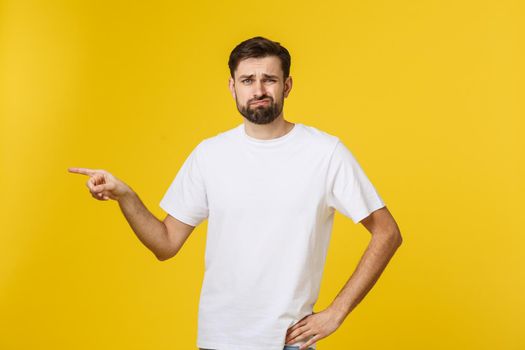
287, 86
231, 85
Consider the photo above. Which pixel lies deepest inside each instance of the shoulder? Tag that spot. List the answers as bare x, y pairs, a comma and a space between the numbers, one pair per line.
334, 148
217, 142
320, 138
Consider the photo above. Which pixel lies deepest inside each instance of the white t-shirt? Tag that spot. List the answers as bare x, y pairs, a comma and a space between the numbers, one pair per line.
270, 208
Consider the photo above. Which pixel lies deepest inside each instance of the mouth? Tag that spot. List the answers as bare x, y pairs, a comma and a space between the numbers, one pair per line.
261, 102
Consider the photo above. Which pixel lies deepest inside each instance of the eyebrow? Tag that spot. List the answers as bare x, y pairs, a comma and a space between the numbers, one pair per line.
265, 75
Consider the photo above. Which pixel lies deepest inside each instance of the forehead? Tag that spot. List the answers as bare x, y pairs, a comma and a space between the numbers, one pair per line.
261, 65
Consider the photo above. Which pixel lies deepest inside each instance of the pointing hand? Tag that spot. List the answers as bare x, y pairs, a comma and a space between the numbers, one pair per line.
102, 184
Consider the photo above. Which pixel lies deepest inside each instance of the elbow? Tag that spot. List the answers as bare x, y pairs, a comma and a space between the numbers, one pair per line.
392, 235
167, 253
398, 237
163, 256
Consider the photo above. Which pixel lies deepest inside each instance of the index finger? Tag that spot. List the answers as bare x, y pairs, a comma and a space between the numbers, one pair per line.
84, 171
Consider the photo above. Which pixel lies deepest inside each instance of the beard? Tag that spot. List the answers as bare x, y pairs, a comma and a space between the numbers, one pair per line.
263, 114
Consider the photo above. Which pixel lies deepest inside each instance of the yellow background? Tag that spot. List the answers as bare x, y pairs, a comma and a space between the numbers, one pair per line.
428, 95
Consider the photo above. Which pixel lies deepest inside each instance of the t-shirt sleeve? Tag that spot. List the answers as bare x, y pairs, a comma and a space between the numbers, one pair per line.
348, 189
186, 198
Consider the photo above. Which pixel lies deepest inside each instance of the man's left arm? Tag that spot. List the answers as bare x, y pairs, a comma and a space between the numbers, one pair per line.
386, 238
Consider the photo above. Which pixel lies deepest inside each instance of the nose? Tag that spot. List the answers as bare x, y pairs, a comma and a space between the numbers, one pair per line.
259, 89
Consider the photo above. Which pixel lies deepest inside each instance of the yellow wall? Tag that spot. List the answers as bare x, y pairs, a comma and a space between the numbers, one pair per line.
428, 95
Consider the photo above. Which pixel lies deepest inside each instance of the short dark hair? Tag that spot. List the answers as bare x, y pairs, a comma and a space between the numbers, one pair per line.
258, 47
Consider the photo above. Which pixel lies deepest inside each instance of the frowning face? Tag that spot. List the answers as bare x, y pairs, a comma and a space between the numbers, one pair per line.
259, 89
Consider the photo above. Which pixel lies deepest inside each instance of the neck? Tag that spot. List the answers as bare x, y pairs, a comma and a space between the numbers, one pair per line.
277, 128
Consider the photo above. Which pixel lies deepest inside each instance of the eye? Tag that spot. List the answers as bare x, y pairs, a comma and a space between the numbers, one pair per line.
245, 80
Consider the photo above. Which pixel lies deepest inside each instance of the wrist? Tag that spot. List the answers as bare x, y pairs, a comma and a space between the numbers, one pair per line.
126, 193
339, 311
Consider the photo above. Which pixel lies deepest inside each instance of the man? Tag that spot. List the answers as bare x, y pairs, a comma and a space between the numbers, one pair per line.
269, 189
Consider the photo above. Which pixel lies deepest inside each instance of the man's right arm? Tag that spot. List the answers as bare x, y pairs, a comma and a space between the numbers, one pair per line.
163, 238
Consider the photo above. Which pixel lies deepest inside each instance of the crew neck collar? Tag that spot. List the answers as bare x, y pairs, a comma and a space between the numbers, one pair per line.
268, 142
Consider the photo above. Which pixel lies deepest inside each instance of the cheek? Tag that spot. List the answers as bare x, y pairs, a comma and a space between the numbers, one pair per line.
277, 92
240, 94
242, 98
